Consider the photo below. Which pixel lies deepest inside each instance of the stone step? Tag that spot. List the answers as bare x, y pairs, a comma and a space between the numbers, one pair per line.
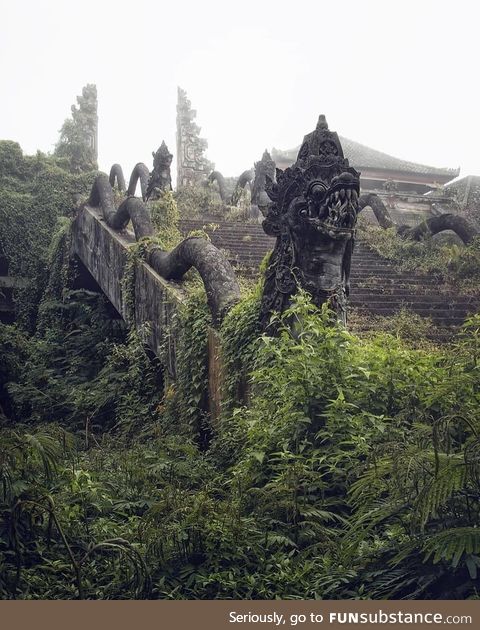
401, 281
445, 301
436, 314
384, 271
377, 285
457, 309
400, 292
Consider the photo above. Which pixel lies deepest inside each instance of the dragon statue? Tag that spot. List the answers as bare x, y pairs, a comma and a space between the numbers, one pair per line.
150, 183
219, 279
313, 216
264, 169
160, 178
243, 181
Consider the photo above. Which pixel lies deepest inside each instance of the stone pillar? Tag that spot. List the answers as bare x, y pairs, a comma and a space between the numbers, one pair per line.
192, 167
79, 134
87, 114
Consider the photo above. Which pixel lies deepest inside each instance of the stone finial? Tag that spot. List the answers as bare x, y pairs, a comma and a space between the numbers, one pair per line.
322, 122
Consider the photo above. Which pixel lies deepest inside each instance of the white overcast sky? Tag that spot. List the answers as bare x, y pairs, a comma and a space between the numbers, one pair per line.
400, 76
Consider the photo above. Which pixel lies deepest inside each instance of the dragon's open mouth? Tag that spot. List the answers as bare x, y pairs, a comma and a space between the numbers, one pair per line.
330, 228
340, 209
332, 209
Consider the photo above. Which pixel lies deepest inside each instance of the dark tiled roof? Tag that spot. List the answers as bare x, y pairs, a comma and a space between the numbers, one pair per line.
360, 156
464, 183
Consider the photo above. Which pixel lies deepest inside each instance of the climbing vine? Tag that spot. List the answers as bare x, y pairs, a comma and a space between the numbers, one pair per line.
165, 218
192, 365
36, 192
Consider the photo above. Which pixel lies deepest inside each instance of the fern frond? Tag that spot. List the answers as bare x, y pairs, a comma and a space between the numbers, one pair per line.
46, 448
440, 489
452, 544
364, 524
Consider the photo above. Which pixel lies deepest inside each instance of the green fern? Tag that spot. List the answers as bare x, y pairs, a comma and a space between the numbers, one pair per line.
440, 489
452, 544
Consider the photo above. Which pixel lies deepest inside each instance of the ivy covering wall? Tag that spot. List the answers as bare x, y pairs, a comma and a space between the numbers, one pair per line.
35, 193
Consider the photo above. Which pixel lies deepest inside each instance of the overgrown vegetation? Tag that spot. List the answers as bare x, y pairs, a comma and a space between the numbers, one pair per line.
194, 202
340, 468
456, 265
353, 472
36, 192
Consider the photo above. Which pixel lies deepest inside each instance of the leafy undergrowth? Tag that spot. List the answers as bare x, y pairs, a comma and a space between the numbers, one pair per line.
194, 202
342, 467
455, 264
36, 193
353, 472
412, 329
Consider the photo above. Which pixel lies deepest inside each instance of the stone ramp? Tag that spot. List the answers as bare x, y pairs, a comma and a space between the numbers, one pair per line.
376, 285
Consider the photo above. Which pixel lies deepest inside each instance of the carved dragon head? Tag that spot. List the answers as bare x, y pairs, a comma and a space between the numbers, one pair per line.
313, 215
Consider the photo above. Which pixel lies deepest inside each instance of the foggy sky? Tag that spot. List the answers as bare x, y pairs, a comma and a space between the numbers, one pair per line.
401, 77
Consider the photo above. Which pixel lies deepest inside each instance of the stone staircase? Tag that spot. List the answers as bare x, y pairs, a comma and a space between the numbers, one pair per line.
376, 286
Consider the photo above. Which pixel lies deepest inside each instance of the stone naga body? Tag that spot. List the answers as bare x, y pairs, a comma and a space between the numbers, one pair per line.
218, 277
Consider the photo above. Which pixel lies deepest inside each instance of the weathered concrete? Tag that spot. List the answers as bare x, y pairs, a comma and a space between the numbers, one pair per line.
104, 252
151, 303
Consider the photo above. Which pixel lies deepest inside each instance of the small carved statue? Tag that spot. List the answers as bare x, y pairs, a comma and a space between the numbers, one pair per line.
263, 169
313, 217
390, 187
160, 178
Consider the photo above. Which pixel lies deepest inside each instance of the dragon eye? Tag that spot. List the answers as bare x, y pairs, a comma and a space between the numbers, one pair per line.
316, 190
301, 209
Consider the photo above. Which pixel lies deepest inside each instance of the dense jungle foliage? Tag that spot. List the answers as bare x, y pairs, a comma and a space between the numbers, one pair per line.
352, 472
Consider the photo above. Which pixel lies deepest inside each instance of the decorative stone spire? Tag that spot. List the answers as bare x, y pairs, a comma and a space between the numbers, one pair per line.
79, 135
320, 143
192, 166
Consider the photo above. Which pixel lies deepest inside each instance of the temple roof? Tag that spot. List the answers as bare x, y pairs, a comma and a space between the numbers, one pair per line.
361, 156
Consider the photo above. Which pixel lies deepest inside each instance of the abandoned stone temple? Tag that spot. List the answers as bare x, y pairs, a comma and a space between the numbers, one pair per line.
303, 204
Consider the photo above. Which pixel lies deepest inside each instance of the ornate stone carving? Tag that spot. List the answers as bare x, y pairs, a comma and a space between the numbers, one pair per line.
218, 277
243, 181
160, 178
88, 105
263, 169
79, 134
192, 166
313, 215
